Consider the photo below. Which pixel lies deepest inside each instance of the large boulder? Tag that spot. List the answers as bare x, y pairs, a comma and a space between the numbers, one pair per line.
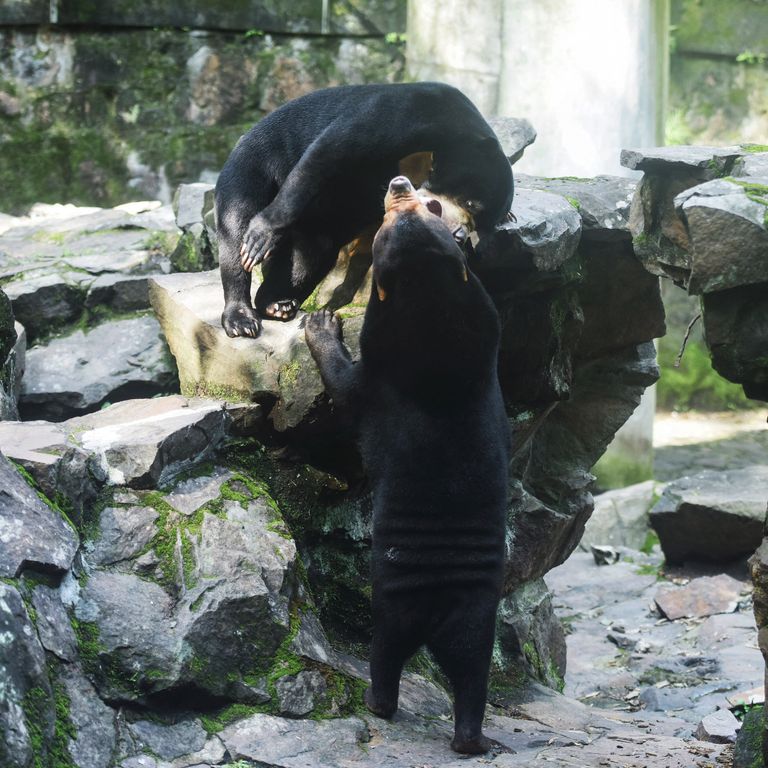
79, 373
139, 443
727, 223
712, 515
32, 534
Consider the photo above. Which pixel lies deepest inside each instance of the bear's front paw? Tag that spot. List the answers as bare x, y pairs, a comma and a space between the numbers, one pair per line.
240, 320
322, 325
260, 240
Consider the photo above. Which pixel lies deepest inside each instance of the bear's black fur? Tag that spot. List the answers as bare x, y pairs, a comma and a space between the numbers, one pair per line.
310, 176
433, 434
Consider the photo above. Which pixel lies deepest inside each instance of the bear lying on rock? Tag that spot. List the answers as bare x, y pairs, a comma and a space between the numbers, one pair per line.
309, 177
433, 434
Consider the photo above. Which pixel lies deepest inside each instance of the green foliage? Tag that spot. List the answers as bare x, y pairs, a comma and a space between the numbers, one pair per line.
695, 384
751, 57
614, 470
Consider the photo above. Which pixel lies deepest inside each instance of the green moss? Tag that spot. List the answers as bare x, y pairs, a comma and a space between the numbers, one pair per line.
216, 722
651, 540
753, 148
289, 374
574, 202
215, 392
34, 705
55, 505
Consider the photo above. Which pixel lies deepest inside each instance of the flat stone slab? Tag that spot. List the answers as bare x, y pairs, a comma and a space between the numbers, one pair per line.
603, 202
702, 597
276, 366
752, 164
714, 516
139, 443
78, 373
32, 535
711, 161
727, 222
720, 727
53, 257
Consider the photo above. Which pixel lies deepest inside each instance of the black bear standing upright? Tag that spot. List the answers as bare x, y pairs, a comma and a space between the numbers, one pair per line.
433, 434
310, 177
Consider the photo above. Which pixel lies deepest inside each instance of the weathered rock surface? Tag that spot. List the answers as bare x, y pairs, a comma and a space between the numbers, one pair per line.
514, 134
78, 373
752, 164
603, 202
11, 372
32, 535
702, 597
54, 258
736, 333
720, 727
713, 515
27, 715
141, 443
726, 223
620, 518
711, 161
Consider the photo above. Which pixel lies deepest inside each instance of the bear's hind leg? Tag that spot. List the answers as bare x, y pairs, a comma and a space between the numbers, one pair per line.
463, 648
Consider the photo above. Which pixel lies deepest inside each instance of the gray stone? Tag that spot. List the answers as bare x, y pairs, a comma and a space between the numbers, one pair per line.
11, 373
710, 161
191, 494
191, 204
529, 633
275, 366
720, 727
701, 597
712, 515
311, 642
218, 612
168, 741
299, 694
26, 705
131, 620
32, 534
603, 202
546, 233
727, 229
122, 293
620, 517
76, 374
94, 723
736, 333
296, 743
514, 134
53, 626
46, 302
143, 443
124, 533
7, 328
139, 443
752, 164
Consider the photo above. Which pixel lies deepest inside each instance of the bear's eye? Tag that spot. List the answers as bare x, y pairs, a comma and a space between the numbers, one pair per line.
473, 206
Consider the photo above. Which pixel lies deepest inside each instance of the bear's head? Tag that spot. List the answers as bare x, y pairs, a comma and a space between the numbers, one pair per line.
415, 251
478, 177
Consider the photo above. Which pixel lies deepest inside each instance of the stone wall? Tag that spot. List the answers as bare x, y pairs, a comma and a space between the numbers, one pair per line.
103, 103
718, 72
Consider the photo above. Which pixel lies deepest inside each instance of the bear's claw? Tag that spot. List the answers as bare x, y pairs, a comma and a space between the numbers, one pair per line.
240, 320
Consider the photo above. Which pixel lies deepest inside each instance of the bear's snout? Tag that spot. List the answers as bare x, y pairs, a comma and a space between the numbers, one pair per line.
400, 185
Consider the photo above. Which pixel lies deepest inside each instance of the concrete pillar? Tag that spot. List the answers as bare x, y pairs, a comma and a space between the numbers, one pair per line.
458, 43
591, 77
